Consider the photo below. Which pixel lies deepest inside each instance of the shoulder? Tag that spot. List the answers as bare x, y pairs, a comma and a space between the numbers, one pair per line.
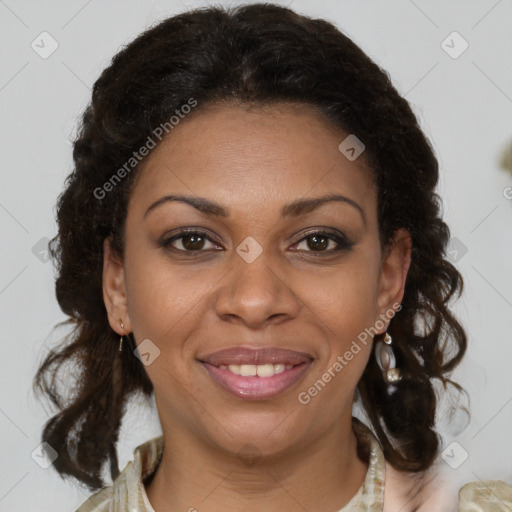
99, 502
482, 495
127, 491
436, 489
419, 492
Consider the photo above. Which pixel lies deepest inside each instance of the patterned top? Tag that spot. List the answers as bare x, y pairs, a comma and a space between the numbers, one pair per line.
128, 494
485, 496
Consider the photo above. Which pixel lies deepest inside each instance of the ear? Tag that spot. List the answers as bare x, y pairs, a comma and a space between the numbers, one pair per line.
114, 290
394, 273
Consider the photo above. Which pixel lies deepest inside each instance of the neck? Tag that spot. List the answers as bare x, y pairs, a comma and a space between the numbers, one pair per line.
193, 475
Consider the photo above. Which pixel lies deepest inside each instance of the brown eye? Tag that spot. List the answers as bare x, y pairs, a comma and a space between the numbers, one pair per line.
189, 241
318, 242
193, 242
323, 242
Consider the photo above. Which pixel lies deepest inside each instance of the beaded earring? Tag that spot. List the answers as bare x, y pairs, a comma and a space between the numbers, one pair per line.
386, 360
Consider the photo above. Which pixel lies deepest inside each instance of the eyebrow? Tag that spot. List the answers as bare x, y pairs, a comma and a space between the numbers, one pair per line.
294, 209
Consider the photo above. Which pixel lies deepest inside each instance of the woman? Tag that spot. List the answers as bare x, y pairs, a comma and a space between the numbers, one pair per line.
251, 233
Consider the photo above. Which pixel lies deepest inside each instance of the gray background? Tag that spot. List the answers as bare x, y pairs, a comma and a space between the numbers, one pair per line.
465, 108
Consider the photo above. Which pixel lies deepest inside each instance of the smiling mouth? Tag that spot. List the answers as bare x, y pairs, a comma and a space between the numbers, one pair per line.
256, 382
256, 373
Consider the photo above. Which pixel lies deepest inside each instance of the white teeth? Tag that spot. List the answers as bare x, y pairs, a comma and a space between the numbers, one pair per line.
247, 370
265, 370
261, 370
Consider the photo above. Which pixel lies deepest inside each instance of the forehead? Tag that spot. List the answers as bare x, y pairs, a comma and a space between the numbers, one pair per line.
248, 155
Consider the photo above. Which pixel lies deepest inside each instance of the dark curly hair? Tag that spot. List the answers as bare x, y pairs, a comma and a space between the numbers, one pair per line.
261, 54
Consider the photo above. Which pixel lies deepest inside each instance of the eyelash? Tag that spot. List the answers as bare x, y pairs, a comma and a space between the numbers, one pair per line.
343, 243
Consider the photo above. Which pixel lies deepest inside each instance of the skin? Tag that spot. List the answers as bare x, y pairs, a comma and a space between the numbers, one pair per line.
253, 161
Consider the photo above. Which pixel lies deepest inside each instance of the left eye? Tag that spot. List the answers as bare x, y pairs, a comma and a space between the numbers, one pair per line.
319, 241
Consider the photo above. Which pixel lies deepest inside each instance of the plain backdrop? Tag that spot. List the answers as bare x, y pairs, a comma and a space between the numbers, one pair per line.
463, 97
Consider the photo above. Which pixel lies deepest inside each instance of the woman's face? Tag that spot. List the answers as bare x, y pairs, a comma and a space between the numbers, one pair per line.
255, 277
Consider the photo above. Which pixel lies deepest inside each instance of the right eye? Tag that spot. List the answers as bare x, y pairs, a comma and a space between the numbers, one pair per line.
190, 240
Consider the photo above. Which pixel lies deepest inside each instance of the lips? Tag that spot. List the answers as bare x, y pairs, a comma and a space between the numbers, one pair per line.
239, 370
266, 355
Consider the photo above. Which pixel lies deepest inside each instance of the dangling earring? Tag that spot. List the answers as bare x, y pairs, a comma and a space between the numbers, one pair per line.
121, 339
387, 361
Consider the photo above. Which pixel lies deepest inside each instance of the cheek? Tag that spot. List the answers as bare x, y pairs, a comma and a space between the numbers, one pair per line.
344, 305
344, 299
346, 347
164, 306
161, 298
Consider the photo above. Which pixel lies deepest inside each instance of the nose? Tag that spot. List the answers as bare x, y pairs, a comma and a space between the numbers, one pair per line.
256, 293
